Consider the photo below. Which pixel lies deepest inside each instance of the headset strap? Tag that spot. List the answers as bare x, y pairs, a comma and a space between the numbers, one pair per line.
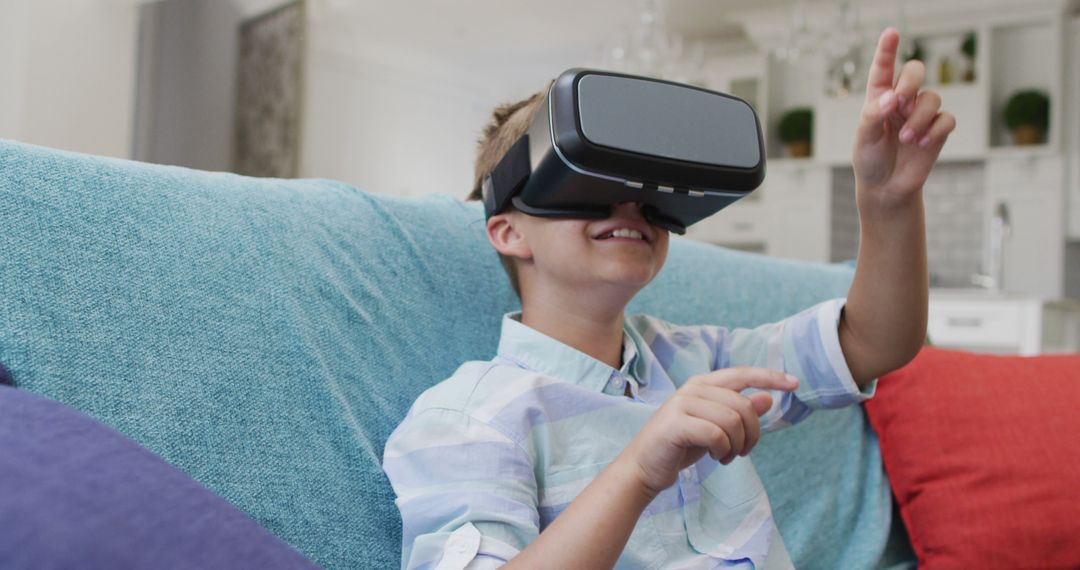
507, 178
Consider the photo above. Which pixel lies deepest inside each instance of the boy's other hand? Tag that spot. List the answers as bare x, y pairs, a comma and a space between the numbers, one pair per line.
900, 131
708, 414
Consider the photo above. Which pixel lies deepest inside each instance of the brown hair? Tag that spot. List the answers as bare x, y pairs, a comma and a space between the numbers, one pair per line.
508, 122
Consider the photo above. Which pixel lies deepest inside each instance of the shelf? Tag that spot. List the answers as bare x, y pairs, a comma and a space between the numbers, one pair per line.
835, 121
1023, 56
946, 46
785, 162
1021, 152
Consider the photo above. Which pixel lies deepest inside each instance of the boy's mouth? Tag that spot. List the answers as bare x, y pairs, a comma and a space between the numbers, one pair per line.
622, 233
624, 230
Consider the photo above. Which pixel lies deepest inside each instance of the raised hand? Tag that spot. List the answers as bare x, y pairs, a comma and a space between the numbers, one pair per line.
901, 130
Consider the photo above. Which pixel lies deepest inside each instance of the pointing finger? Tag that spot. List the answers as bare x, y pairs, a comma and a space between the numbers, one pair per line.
739, 379
881, 69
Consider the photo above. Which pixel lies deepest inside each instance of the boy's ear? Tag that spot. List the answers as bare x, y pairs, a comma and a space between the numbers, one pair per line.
504, 236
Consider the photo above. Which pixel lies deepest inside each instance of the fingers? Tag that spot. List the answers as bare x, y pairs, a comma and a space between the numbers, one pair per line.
925, 110
911, 78
939, 130
698, 432
732, 413
894, 104
762, 402
880, 78
741, 378
715, 397
712, 414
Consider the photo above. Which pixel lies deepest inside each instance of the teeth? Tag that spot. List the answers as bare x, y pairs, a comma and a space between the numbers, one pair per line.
626, 233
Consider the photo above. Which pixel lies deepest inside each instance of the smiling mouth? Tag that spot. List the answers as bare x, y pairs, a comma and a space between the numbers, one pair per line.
624, 234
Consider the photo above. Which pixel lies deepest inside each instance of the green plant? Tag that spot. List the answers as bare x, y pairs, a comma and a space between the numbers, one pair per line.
1027, 107
968, 47
796, 125
915, 52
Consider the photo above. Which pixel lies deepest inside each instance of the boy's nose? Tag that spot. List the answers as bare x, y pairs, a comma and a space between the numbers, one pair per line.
632, 209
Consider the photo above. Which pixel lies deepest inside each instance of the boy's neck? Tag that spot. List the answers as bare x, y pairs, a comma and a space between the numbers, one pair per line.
593, 329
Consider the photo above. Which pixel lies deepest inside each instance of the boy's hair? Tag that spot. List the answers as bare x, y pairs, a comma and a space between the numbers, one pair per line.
508, 122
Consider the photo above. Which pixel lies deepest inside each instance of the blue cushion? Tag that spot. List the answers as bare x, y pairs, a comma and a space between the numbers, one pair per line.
265, 336
79, 495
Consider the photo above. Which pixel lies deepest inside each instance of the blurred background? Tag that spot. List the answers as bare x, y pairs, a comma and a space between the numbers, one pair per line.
391, 97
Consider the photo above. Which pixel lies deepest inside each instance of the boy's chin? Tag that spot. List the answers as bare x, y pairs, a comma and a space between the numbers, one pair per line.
627, 279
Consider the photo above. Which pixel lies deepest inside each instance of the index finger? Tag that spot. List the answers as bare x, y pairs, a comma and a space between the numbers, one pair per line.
743, 377
880, 79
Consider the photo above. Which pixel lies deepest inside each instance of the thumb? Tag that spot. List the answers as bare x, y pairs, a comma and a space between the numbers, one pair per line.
762, 401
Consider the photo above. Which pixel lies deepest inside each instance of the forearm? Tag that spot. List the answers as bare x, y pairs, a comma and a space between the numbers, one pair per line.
884, 321
593, 530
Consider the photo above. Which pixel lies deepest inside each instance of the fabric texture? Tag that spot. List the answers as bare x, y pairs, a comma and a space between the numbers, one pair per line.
266, 336
506, 445
79, 495
984, 457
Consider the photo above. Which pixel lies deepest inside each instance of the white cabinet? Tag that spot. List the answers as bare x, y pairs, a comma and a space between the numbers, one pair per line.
1072, 122
800, 208
743, 224
1004, 324
1028, 185
791, 215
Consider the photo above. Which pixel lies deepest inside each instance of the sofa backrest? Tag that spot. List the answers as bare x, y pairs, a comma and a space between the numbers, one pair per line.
266, 336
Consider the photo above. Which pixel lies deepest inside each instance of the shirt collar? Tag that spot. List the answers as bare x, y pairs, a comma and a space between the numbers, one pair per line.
532, 349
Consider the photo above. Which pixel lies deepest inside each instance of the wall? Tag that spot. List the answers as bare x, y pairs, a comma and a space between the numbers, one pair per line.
404, 129
394, 103
954, 198
387, 130
844, 216
187, 83
1072, 270
68, 73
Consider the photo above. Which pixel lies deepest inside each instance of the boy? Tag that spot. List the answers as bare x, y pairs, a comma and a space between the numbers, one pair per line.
596, 438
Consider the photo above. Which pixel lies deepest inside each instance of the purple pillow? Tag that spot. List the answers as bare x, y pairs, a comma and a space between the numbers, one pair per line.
77, 494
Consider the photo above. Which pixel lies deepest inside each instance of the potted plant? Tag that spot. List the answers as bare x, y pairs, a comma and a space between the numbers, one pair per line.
796, 126
915, 51
1027, 115
968, 49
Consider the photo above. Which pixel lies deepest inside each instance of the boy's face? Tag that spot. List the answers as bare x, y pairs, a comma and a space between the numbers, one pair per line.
622, 250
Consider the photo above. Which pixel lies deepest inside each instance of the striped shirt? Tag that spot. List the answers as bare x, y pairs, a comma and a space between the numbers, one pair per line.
486, 459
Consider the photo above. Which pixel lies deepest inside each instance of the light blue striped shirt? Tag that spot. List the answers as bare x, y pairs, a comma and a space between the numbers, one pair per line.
486, 459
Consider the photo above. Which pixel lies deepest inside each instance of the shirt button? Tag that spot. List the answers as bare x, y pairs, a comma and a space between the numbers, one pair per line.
459, 546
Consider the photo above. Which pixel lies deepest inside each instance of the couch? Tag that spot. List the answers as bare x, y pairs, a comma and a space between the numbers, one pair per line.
264, 336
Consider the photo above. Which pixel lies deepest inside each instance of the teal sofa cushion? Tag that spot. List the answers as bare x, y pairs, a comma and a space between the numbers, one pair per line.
265, 336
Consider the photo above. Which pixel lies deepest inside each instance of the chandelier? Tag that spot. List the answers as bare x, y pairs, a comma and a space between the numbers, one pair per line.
839, 39
650, 49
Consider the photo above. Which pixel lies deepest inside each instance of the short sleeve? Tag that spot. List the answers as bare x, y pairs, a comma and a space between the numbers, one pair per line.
805, 345
466, 492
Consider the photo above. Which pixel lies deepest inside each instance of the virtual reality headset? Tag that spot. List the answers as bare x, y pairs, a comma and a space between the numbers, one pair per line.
604, 138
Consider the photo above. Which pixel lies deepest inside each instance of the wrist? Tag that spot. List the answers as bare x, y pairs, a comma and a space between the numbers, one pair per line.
627, 474
878, 206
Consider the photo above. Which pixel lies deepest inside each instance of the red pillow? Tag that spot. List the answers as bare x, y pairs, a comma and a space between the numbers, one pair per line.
983, 453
